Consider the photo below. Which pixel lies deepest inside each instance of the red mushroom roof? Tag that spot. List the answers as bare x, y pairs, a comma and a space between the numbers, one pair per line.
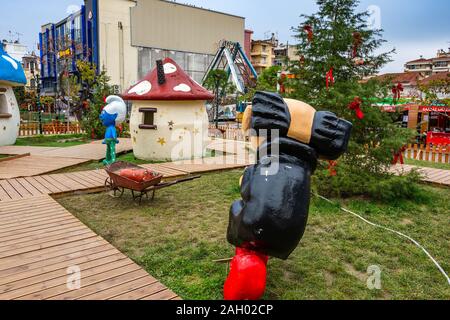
178, 86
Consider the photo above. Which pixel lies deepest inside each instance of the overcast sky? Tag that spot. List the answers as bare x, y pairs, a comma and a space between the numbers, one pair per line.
413, 27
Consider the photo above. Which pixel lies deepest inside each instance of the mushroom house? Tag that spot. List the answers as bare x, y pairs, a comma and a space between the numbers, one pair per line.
169, 120
11, 75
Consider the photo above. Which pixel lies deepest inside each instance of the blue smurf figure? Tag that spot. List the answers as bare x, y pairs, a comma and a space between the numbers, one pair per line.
112, 115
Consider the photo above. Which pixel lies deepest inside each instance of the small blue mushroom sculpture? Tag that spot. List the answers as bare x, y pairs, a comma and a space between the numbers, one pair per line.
11, 75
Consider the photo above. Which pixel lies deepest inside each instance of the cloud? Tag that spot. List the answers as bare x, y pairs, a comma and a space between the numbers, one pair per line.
407, 51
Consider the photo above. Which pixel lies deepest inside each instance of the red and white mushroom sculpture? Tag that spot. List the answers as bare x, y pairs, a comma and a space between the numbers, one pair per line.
168, 119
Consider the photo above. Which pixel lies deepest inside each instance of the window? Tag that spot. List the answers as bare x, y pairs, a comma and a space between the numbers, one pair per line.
148, 119
3, 105
264, 48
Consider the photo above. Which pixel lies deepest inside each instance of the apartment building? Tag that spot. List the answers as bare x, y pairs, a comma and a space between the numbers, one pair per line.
284, 53
263, 54
440, 63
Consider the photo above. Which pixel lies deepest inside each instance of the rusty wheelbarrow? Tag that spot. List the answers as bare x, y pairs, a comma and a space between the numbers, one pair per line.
117, 183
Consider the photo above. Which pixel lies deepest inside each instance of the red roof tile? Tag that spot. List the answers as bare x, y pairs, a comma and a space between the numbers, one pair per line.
436, 77
419, 60
405, 77
178, 86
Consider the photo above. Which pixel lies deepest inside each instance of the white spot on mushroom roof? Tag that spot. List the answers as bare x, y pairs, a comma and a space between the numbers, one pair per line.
11, 61
182, 87
169, 68
141, 88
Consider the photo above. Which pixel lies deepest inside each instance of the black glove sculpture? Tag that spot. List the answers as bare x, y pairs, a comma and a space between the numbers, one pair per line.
323, 131
272, 215
271, 218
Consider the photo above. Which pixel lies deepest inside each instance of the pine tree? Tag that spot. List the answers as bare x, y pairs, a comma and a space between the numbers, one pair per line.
338, 38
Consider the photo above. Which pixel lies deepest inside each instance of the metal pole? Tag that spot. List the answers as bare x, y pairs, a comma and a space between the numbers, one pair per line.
38, 103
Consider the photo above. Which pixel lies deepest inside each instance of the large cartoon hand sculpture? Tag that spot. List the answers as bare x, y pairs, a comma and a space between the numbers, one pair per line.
113, 114
271, 217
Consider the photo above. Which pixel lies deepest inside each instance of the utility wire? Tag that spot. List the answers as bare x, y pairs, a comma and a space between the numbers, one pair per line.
390, 230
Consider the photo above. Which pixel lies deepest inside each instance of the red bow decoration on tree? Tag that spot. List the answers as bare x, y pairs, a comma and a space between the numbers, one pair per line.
302, 60
309, 30
357, 41
398, 156
332, 168
281, 83
330, 78
356, 106
397, 91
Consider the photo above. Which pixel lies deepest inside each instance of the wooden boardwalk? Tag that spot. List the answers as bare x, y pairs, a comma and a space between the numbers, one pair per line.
94, 180
434, 176
44, 160
42, 244
34, 165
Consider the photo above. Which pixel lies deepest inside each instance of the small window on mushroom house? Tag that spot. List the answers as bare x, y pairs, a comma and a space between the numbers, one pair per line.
148, 119
3, 104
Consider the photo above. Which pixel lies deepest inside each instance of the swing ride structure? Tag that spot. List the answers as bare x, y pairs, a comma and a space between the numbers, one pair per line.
231, 58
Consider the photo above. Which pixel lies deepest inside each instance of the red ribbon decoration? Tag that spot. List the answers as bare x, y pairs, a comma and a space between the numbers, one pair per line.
397, 91
356, 106
309, 30
357, 41
281, 82
398, 156
330, 78
332, 168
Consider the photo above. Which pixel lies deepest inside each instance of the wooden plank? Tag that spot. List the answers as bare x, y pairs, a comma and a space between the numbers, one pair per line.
14, 275
49, 253
58, 286
4, 196
46, 245
25, 241
81, 182
116, 283
56, 183
30, 188
120, 285
36, 184
13, 194
61, 273
41, 231
46, 184
91, 177
35, 223
19, 188
141, 293
163, 295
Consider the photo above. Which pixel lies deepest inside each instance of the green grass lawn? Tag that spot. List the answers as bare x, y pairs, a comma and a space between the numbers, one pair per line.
178, 236
428, 164
53, 141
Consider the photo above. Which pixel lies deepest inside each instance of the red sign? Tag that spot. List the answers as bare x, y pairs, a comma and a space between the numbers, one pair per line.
438, 138
434, 109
